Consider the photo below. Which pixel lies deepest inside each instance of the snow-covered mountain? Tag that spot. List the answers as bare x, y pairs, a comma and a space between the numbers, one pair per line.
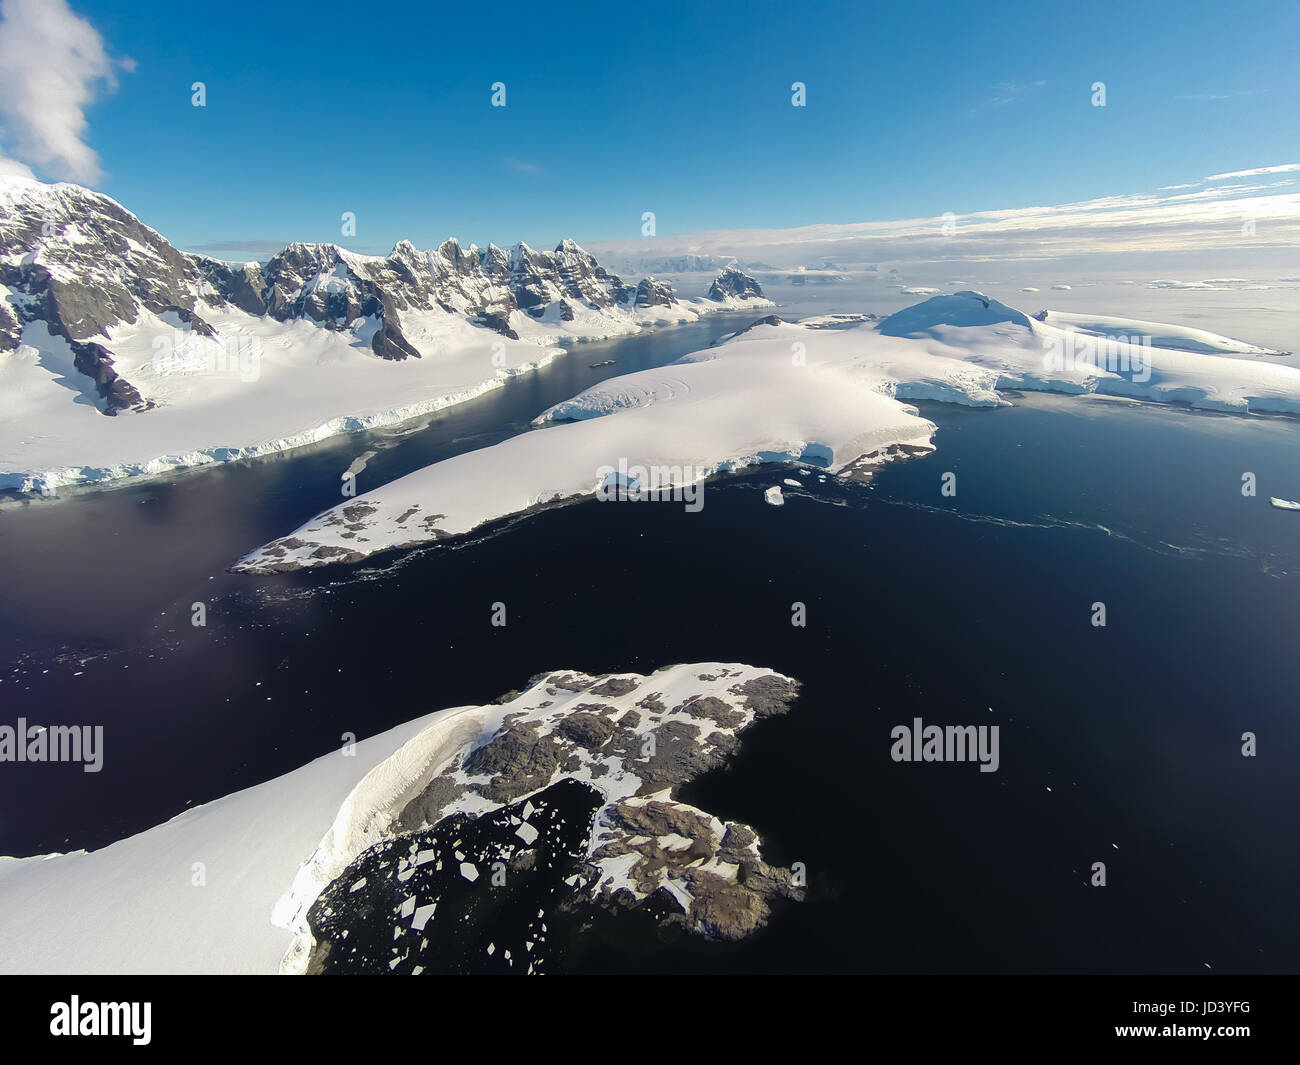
99, 313
684, 264
733, 283
83, 264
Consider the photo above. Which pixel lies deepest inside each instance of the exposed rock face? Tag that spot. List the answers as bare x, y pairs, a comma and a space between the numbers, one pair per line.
96, 363
652, 293
81, 263
771, 319
469, 896
10, 331
576, 786
733, 283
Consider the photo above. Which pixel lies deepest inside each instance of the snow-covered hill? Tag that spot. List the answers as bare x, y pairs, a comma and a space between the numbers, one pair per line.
99, 314
827, 391
267, 853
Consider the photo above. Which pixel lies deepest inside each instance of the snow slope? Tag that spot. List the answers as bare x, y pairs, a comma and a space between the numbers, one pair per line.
195, 360
267, 852
815, 391
132, 906
306, 383
1183, 338
736, 405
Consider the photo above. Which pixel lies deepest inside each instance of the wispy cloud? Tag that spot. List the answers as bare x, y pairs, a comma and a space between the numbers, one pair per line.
1282, 168
1007, 93
13, 168
1206, 219
53, 63
254, 247
1218, 95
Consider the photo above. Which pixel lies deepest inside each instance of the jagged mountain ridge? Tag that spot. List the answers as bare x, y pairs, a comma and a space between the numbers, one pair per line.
82, 264
734, 283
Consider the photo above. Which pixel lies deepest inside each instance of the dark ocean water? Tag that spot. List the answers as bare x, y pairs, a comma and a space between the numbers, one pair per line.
973, 609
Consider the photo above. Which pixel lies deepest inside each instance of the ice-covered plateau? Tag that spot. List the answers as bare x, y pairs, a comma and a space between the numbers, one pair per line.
198, 360
421, 813
829, 391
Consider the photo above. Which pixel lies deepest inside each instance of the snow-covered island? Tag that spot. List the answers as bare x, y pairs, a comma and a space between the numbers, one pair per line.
196, 360
385, 842
830, 391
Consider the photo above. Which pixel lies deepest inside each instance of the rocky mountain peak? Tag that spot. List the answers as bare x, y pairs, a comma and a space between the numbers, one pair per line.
83, 264
734, 283
653, 293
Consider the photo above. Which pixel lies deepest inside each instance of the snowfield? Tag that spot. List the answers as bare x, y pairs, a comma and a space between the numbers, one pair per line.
262, 386
1182, 338
267, 852
132, 907
829, 391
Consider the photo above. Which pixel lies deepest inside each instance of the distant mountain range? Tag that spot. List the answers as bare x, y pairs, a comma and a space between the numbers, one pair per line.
83, 265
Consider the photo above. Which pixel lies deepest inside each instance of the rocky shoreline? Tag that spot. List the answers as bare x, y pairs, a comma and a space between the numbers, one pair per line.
565, 808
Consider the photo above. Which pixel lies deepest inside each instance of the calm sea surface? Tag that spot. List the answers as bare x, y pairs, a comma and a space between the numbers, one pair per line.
1119, 744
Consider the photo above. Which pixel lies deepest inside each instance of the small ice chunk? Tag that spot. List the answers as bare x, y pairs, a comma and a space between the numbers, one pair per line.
773, 496
468, 871
527, 832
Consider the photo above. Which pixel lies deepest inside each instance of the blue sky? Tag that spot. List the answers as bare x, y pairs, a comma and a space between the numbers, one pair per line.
913, 109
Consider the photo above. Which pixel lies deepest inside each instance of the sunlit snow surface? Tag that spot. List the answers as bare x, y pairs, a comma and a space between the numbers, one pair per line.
827, 391
305, 384
228, 887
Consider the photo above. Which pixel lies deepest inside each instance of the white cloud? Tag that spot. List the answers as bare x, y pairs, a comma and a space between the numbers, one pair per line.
1208, 219
13, 168
1218, 95
1283, 168
1007, 93
52, 64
